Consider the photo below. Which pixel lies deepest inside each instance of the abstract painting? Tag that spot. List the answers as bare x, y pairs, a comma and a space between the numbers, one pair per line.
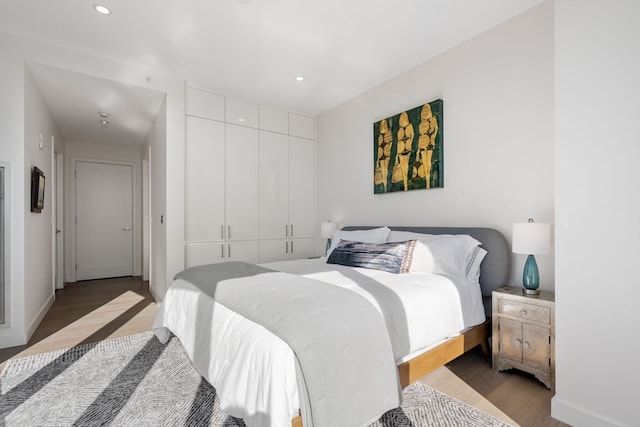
407, 150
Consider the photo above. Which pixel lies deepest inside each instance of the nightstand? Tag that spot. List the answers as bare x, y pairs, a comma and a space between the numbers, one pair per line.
524, 333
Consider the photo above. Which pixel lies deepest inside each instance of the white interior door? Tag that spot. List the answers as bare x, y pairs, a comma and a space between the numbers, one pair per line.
104, 220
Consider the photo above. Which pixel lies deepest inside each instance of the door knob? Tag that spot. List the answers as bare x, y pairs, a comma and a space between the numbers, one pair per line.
127, 229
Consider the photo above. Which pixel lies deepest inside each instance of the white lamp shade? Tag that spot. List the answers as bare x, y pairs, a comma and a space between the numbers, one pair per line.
326, 228
531, 238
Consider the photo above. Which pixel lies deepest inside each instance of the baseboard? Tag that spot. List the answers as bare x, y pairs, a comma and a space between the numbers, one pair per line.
11, 339
576, 416
43, 312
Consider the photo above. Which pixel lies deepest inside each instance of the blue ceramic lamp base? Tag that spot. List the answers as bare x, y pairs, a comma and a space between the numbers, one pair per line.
530, 277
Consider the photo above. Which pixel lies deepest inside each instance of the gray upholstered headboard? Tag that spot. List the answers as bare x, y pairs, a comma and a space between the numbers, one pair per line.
495, 268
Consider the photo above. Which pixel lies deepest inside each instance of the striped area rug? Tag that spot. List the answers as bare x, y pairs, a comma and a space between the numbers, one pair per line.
136, 381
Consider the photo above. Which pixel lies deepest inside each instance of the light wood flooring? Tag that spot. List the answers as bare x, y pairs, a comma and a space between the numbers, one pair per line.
95, 310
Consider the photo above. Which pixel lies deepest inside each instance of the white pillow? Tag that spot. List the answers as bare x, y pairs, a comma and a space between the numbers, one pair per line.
422, 260
454, 254
473, 267
374, 235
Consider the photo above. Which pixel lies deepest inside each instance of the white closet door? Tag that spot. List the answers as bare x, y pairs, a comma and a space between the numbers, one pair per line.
284, 249
199, 253
248, 251
242, 188
302, 248
205, 180
274, 250
302, 172
274, 185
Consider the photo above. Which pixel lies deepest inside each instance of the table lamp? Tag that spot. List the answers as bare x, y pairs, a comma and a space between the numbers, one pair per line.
326, 228
531, 238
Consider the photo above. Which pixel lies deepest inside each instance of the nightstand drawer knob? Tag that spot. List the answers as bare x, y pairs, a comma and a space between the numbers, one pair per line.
518, 341
526, 344
523, 312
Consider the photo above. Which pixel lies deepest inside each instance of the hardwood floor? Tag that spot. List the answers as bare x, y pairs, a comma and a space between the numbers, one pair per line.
100, 309
90, 311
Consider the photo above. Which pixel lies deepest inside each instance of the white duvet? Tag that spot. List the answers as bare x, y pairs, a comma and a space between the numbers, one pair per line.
253, 370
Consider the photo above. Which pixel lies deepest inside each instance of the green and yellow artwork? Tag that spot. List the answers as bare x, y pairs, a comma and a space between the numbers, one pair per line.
407, 150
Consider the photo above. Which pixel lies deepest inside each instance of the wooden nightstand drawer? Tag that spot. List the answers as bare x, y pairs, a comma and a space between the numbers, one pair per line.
525, 311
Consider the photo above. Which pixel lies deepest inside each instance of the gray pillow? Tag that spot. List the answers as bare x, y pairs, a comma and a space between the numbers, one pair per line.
394, 257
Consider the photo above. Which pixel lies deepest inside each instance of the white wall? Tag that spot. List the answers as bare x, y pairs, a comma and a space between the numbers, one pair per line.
15, 52
597, 212
84, 150
12, 151
38, 277
157, 140
498, 138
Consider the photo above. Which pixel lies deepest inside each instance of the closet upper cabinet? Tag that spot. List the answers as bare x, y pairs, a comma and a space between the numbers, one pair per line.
201, 103
302, 126
274, 120
242, 113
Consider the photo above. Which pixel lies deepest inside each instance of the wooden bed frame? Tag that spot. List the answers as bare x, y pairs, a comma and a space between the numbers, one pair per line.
416, 368
494, 274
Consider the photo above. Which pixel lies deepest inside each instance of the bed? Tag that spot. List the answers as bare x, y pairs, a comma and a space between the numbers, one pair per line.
236, 346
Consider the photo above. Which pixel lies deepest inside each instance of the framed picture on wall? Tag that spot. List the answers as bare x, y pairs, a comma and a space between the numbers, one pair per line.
37, 190
408, 150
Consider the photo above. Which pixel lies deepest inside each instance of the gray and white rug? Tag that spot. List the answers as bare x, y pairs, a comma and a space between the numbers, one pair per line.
136, 381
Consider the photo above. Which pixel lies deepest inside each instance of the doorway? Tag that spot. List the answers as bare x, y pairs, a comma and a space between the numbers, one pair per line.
103, 220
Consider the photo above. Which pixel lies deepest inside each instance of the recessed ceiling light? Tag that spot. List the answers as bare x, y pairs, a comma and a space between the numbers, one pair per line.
104, 10
104, 123
103, 114
300, 78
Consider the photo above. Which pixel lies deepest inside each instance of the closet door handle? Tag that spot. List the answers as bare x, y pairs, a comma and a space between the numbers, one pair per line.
222, 232
291, 232
228, 231
221, 251
286, 230
229, 251
286, 247
292, 246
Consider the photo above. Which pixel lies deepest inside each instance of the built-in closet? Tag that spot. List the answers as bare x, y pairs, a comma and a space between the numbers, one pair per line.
250, 181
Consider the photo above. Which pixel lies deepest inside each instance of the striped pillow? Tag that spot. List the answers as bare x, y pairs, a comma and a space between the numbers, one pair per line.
394, 257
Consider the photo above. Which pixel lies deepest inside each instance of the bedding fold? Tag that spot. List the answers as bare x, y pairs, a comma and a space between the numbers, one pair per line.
347, 370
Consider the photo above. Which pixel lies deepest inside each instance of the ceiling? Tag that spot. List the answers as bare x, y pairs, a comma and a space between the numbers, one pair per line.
249, 49
76, 100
